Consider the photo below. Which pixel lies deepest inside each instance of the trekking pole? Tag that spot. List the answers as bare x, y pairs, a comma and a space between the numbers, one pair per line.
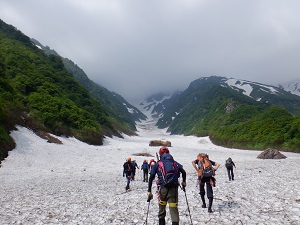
146, 221
183, 188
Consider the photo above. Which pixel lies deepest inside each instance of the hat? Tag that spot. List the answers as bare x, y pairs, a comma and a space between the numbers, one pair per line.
163, 150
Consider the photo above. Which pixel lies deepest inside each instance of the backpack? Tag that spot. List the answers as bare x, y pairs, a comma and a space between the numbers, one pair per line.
228, 163
145, 166
127, 168
205, 166
169, 170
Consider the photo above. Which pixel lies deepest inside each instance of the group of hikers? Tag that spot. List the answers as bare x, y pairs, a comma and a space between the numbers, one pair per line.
168, 172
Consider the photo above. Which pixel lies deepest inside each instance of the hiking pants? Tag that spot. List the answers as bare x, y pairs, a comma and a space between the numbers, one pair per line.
168, 195
145, 177
209, 190
230, 173
128, 182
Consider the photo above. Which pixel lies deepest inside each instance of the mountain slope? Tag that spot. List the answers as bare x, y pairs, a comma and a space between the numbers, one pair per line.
115, 104
36, 90
217, 106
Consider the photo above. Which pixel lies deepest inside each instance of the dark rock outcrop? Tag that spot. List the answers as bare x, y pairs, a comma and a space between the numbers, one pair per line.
271, 154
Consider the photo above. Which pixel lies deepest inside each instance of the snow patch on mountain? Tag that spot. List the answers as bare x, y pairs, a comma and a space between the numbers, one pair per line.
247, 86
292, 87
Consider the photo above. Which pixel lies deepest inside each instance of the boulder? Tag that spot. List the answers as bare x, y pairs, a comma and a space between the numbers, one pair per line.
160, 143
271, 154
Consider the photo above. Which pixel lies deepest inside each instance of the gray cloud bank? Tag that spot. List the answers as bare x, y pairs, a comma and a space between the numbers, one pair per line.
137, 47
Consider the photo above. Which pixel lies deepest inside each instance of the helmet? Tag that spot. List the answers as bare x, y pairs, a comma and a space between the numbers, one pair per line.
163, 150
129, 159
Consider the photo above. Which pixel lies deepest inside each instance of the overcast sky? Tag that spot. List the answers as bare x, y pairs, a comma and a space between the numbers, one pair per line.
139, 47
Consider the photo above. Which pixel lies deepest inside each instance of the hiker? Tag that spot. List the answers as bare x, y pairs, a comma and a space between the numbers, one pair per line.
134, 166
229, 164
167, 187
206, 171
152, 163
145, 167
127, 171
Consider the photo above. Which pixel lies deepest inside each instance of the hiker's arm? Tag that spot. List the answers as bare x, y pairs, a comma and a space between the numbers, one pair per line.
194, 165
151, 178
217, 165
183, 175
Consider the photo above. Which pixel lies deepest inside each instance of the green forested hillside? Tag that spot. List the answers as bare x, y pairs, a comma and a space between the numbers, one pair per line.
253, 127
36, 86
114, 104
230, 118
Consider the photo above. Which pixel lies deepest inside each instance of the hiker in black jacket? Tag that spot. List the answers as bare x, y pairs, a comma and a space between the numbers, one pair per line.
127, 171
134, 166
167, 188
229, 164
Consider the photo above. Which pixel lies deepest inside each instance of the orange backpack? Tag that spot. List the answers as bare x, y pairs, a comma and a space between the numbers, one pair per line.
205, 168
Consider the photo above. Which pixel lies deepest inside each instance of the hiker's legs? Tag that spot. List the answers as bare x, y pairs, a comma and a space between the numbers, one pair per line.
128, 182
161, 222
202, 195
162, 201
173, 204
232, 175
144, 176
210, 196
169, 195
210, 201
229, 176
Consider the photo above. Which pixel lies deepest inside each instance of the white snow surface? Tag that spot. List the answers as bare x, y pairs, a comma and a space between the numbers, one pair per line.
76, 183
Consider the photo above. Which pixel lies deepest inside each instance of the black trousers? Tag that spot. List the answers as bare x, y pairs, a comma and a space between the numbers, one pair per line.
209, 190
230, 173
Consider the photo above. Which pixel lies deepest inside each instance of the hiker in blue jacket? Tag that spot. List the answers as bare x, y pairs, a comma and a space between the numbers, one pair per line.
145, 167
167, 189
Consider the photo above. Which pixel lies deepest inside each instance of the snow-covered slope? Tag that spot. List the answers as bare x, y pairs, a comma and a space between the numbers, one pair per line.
247, 87
75, 183
293, 87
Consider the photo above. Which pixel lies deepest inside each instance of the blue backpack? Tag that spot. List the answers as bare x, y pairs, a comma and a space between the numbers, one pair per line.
145, 166
169, 170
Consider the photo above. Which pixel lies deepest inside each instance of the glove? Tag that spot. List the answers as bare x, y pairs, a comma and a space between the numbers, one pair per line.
150, 196
183, 186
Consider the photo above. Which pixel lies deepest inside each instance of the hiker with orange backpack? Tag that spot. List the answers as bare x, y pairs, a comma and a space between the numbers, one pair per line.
206, 171
127, 171
168, 172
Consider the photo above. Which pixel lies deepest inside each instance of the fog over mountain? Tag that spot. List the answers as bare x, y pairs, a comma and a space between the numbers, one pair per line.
137, 48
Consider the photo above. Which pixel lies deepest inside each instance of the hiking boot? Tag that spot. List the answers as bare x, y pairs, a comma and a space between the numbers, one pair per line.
161, 222
209, 210
204, 206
